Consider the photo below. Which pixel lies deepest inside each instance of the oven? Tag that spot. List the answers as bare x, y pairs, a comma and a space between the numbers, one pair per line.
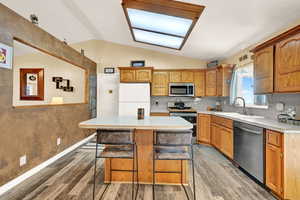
188, 116
181, 89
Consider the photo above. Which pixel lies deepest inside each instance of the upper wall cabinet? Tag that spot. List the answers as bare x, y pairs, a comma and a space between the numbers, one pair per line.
263, 70
181, 76
287, 77
160, 83
199, 81
283, 75
135, 75
211, 82
224, 74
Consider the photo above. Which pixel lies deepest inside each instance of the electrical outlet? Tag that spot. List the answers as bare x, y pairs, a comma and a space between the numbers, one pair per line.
23, 160
58, 141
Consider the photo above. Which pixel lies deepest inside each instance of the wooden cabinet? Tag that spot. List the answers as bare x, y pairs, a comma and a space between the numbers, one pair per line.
263, 70
184, 76
187, 76
127, 75
226, 140
287, 65
203, 128
222, 135
162, 114
160, 83
135, 75
274, 162
199, 81
175, 76
211, 82
224, 75
215, 136
143, 75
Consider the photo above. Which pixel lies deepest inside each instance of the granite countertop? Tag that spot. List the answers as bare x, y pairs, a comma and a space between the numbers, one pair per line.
153, 123
261, 122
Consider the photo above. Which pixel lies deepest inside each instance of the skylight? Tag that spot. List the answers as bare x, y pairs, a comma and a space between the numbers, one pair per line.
166, 24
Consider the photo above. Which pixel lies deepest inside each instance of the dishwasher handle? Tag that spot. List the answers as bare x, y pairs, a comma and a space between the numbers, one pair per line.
250, 131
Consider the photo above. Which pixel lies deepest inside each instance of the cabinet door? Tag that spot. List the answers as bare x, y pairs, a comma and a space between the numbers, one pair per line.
160, 83
274, 169
213, 135
219, 82
227, 75
211, 82
143, 75
187, 76
127, 75
175, 76
203, 127
287, 65
199, 81
227, 141
263, 70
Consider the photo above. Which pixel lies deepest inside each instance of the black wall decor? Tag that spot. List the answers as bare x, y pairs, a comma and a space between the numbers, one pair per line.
138, 63
59, 81
109, 70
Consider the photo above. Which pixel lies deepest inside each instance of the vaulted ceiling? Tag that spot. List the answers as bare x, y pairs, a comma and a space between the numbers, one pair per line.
224, 28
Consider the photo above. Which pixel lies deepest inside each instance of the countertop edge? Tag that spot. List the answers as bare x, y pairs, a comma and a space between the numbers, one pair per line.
282, 130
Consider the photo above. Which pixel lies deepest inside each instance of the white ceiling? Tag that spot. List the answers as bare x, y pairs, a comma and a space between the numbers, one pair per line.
224, 28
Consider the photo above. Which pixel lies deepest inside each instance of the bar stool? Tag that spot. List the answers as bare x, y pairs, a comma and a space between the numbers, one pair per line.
173, 145
119, 143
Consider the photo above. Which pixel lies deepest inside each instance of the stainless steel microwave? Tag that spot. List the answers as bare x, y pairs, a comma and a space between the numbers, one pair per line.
182, 89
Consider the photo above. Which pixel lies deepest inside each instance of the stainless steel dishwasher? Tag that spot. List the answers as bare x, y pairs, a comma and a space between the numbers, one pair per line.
249, 149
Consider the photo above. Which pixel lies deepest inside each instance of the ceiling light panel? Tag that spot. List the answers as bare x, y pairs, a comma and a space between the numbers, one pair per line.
157, 39
159, 22
163, 23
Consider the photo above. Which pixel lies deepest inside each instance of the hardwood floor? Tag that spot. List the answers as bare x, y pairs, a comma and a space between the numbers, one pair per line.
71, 178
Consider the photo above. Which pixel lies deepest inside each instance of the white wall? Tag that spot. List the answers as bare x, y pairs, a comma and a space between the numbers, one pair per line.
52, 67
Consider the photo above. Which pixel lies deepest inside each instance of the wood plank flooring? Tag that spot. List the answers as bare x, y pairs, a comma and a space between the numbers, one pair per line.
71, 178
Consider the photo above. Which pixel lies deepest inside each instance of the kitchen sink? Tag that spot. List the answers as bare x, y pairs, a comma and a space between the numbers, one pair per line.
238, 115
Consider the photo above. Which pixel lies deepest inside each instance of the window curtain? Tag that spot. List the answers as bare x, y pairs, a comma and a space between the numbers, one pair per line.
233, 84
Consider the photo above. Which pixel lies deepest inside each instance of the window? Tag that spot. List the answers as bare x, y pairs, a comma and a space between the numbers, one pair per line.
242, 86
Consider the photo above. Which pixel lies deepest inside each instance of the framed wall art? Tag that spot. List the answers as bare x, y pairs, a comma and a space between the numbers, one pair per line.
6, 56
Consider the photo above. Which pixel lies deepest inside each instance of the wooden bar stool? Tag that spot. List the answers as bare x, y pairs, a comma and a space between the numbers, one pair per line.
119, 143
173, 145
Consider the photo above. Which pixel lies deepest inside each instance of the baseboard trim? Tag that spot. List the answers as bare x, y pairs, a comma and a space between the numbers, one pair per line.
6, 187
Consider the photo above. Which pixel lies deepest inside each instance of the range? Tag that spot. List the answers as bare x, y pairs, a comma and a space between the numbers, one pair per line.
187, 113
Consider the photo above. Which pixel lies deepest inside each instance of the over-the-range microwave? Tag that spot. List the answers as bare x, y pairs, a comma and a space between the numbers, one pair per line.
181, 89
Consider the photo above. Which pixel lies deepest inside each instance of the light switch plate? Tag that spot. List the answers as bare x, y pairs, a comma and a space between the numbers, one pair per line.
58, 141
23, 160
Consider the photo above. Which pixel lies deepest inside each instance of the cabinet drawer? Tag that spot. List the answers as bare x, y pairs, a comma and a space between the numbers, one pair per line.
222, 121
274, 138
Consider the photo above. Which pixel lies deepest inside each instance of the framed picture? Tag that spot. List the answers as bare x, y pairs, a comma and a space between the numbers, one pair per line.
109, 70
138, 63
6, 56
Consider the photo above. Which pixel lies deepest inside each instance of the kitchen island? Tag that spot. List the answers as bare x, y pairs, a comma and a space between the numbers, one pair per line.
144, 130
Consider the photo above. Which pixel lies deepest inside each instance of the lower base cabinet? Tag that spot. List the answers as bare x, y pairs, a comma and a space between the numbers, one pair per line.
226, 136
216, 131
274, 162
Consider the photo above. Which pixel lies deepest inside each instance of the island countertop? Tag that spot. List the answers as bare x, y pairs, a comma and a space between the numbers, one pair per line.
153, 123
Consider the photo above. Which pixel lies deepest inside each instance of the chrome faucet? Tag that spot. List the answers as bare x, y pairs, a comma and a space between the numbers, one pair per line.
244, 104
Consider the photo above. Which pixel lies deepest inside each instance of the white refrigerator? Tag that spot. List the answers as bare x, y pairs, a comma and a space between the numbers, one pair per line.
133, 96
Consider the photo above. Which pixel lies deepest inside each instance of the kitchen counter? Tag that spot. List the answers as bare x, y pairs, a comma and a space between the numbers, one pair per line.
261, 122
152, 123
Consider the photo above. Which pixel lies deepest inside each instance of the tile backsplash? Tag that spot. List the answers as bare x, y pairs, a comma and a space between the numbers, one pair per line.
196, 103
289, 100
